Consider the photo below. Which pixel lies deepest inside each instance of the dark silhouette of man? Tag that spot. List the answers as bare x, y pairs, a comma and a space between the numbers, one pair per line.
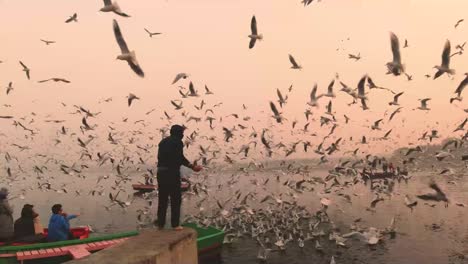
170, 158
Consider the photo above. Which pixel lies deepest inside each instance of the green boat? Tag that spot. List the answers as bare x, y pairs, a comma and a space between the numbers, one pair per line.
58, 252
207, 238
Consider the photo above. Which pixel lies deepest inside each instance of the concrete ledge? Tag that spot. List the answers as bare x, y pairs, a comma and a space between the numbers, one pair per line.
150, 247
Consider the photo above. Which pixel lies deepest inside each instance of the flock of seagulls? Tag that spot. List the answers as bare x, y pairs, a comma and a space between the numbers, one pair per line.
274, 219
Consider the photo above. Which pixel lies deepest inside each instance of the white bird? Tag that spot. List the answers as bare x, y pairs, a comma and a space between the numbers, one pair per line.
47, 42
151, 34
361, 87
330, 90
424, 104
461, 86
254, 34
276, 113
395, 99
294, 63
395, 66
26, 70
179, 76
445, 66
113, 7
74, 17
207, 91
126, 55
313, 97
9, 88
132, 97
192, 91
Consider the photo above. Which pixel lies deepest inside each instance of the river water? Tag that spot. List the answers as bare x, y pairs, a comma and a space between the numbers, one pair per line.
427, 234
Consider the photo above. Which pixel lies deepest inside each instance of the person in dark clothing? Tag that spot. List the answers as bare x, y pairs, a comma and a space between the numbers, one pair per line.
170, 158
24, 226
6, 217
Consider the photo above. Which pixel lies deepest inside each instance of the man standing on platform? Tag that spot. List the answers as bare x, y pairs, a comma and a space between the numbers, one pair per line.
170, 158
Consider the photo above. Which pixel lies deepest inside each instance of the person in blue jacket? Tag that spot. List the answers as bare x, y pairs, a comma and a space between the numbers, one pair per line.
59, 226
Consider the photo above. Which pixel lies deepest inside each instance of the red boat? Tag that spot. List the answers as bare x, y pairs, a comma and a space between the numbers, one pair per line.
151, 187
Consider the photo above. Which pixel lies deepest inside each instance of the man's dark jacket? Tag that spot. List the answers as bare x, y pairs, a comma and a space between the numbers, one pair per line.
170, 158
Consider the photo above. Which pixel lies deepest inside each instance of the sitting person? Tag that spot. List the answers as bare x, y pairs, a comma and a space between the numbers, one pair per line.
59, 226
25, 226
6, 217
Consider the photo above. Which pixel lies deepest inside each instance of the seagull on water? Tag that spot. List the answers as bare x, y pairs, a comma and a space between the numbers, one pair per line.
445, 66
395, 67
113, 7
126, 55
254, 33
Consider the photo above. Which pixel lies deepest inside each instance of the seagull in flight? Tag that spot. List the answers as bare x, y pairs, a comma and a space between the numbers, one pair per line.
294, 63
48, 42
151, 34
254, 33
424, 104
74, 18
132, 97
395, 67
445, 66
126, 55
330, 92
26, 70
276, 113
9, 88
179, 76
461, 86
395, 99
354, 57
313, 97
113, 7
55, 80
458, 22
192, 91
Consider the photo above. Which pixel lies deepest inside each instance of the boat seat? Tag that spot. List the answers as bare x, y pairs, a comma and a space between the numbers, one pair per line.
76, 251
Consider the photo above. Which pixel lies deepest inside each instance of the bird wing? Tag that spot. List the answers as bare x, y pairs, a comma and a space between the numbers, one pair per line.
462, 85
371, 83
120, 40
395, 43
292, 60
22, 64
330, 86
191, 88
313, 93
43, 81
397, 95
147, 31
69, 20
253, 26
174, 104
252, 43
280, 96
446, 54
136, 68
361, 85
274, 109
107, 2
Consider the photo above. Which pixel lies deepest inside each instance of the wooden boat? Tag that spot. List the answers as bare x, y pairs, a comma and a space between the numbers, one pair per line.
208, 239
61, 251
152, 187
